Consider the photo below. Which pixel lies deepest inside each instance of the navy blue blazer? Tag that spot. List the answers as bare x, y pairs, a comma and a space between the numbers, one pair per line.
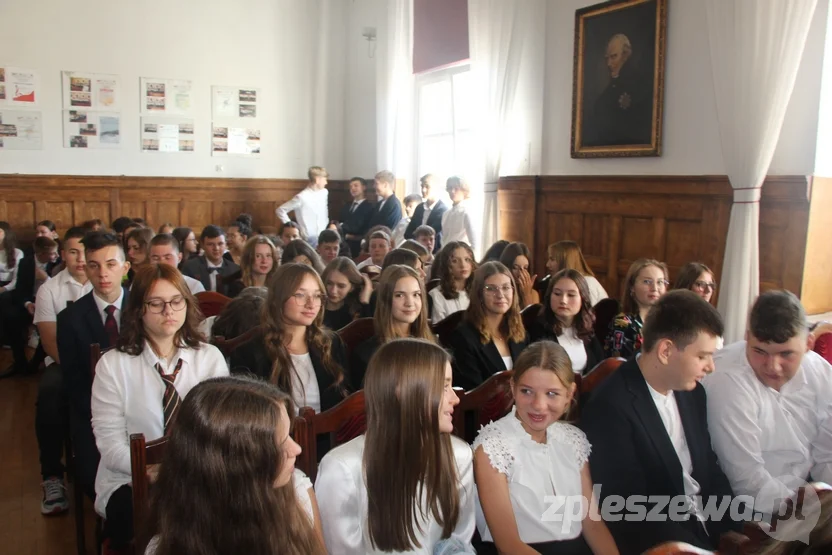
197, 268
434, 221
389, 215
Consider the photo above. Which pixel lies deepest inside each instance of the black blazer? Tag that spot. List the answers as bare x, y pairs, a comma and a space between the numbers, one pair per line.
253, 358
358, 222
390, 214
24, 291
197, 268
434, 221
541, 331
360, 359
632, 455
474, 362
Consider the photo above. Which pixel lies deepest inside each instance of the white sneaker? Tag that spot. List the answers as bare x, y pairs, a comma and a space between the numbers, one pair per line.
54, 497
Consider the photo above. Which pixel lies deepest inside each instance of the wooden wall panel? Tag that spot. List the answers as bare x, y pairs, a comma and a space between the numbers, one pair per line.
817, 292
21, 215
168, 211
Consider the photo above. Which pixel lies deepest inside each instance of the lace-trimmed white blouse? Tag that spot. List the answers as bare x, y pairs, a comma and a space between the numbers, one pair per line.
534, 471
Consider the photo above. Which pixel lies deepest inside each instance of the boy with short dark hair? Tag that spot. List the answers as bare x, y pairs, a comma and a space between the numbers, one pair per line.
207, 267
329, 244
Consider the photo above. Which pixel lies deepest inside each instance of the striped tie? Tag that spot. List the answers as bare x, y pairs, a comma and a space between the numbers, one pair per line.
171, 399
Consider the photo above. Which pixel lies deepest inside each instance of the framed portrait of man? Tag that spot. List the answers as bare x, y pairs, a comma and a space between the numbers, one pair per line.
618, 82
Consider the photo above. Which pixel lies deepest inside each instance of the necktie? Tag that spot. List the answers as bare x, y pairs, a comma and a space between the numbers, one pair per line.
111, 326
354, 206
171, 399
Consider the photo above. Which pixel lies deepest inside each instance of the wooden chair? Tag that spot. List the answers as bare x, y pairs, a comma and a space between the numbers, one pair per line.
227, 346
605, 311
355, 332
487, 402
142, 455
530, 314
822, 344
590, 380
432, 284
343, 422
445, 327
677, 548
211, 303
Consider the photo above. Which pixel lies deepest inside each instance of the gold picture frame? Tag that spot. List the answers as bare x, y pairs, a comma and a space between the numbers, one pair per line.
618, 79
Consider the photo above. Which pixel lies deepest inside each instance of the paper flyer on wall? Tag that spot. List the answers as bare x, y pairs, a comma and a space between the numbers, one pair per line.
234, 102
167, 134
19, 87
235, 141
20, 130
91, 91
86, 129
166, 96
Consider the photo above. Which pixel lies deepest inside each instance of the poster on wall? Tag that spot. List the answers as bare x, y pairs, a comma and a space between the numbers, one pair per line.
235, 141
167, 134
91, 91
20, 130
86, 129
234, 102
19, 87
166, 96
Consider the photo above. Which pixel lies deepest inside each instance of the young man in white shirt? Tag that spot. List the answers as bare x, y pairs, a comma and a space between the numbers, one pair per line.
457, 222
770, 405
54, 296
164, 249
311, 206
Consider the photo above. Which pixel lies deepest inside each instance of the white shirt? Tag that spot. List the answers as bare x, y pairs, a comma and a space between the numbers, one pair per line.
53, 297
9, 274
533, 471
342, 500
311, 209
127, 399
760, 434
196, 286
102, 305
305, 390
212, 276
442, 307
575, 348
206, 326
398, 231
597, 292
508, 362
457, 225
428, 209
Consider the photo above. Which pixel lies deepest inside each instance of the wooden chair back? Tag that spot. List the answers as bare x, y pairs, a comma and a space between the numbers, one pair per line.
227, 346
530, 314
432, 284
605, 311
486, 403
95, 355
591, 379
445, 327
677, 548
355, 332
142, 455
211, 303
343, 422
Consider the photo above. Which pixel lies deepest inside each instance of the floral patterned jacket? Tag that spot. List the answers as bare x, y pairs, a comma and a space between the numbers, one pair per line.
624, 337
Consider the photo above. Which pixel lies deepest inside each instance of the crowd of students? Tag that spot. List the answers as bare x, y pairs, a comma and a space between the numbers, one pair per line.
407, 485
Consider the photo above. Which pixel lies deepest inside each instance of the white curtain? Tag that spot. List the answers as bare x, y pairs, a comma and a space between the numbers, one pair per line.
507, 42
395, 110
756, 47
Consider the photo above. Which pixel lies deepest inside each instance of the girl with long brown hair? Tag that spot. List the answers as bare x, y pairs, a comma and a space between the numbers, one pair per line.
517, 258
401, 311
300, 252
348, 293
698, 278
492, 335
406, 485
530, 456
10, 255
567, 255
188, 245
295, 351
233, 433
455, 269
139, 385
258, 260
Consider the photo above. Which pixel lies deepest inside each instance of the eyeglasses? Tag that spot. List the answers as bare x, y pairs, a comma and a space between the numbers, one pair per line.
661, 284
301, 299
157, 306
705, 285
506, 290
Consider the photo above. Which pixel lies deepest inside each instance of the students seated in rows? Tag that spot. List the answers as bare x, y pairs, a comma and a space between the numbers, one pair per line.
329, 244
491, 336
93, 318
290, 232
236, 235
495, 251
348, 293
517, 258
378, 245
164, 249
769, 405
567, 255
139, 385
410, 203
645, 283
258, 262
454, 269
648, 428
457, 222
429, 213
355, 216
10, 257
311, 206
531, 455
388, 210
234, 434
188, 245
295, 351
300, 252
406, 485
698, 278
401, 311
566, 319
210, 266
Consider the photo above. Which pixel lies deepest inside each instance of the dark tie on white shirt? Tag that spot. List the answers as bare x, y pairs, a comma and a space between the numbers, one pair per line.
353, 207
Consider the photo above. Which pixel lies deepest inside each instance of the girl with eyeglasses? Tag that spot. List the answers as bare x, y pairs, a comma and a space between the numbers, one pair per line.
295, 351
188, 245
698, 278
491, 336
645, 283
140, 384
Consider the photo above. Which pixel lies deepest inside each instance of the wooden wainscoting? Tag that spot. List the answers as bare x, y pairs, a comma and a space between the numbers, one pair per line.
676, 219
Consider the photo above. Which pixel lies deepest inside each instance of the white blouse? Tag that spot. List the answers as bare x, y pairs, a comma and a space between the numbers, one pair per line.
442, 307
596, 290
458, 225
534, 471
9, 274
575, 348
305, 390
342, 500
127, 399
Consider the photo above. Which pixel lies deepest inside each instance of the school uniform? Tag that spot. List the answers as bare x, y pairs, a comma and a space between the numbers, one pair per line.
474, 362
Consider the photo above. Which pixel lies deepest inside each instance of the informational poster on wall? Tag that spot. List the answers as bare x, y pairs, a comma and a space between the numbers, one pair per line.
171, 97
91, 91
234, 102
235, 141
167, 134
21, 130
19, 87
86, 129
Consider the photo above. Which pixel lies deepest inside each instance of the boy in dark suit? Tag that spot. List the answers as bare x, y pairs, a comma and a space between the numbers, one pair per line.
388, 210
647, 424
208, 267
355, 217
429, 212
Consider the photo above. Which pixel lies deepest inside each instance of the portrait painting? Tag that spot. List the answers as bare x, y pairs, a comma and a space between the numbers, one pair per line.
618, 82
